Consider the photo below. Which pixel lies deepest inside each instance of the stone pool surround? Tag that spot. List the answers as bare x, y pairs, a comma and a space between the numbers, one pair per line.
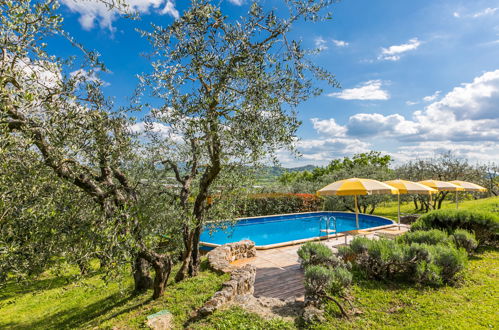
242, 279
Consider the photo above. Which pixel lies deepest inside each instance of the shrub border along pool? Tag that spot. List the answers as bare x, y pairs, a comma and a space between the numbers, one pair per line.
301, 241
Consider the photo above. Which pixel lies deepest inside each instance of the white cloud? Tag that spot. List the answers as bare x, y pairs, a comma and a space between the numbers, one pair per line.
393, 53
320, 43
465, 114
170, 9
369, 90
433, 97
465, 121
428, 98
93, 11
237, 2
340, 43
484, 152
485, 12
371, 124
322, 151
329, 127
476, 100
142, 129
316, 148
43, 73
88, 76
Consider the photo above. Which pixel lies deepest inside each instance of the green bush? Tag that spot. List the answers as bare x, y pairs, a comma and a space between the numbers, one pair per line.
427, 273
431, 237
268, 204
485, 225
312, 254
346, 253
326, 275
320, 279
434, 264
360, 245
384, 259
464, 239
427, 264
450, 260
459, 238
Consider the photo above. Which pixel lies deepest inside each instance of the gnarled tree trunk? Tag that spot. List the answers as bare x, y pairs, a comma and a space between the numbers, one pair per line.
162, 264
194, 262
141, 276
186, 255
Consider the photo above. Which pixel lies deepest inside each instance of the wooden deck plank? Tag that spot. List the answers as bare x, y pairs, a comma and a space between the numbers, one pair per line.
282, 283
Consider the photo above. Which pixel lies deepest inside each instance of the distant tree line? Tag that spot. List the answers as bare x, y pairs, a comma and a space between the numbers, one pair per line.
375, 165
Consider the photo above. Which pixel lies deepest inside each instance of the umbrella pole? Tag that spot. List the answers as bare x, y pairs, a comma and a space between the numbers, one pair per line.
398, 218
457, 200
356, 212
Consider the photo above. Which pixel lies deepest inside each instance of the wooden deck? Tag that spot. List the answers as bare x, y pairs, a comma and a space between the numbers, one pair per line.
278, 272
283, 283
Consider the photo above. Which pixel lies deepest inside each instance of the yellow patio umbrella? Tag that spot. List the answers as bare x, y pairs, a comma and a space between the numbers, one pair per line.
441, 185
409, 187
356, 187
467, 186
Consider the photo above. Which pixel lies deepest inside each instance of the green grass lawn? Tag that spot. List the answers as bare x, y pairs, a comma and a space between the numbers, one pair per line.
473, 304
64, 302
389, 209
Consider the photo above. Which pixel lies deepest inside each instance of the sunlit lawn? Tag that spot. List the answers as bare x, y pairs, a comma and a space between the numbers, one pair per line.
63, 303
60, 303
486, 204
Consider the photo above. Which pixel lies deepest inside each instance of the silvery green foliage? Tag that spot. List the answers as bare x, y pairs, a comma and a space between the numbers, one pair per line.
229, 86
228, 89
80, 195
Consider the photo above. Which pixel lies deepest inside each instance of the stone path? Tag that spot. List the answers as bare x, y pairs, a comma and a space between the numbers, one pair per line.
278, 272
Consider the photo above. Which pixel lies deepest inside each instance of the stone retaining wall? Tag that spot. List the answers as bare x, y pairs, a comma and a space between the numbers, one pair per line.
242, 280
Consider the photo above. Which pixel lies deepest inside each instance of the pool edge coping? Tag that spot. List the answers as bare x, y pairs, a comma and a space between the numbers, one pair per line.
301, 241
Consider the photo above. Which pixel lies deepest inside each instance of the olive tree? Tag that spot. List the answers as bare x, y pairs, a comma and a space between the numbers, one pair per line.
371, 165
228, 89
58, 115
445, 167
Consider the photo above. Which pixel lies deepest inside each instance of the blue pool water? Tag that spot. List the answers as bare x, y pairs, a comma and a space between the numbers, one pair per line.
285, 228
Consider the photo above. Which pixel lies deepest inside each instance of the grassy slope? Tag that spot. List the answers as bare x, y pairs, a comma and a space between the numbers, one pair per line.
486, 204
58, 303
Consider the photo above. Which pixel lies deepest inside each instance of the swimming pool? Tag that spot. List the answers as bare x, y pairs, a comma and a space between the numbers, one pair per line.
270, 230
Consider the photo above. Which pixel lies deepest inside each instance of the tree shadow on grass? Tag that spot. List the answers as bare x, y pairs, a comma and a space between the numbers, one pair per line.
82, 317
394, 285
478, 254
14, 288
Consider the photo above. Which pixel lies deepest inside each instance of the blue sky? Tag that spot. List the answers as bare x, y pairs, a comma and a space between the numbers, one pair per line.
417, 77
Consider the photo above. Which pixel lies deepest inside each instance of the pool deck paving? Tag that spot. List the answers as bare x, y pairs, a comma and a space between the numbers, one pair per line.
278, 271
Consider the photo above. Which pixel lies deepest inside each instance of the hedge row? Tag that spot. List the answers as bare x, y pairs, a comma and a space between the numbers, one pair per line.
484, 225
267, 204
